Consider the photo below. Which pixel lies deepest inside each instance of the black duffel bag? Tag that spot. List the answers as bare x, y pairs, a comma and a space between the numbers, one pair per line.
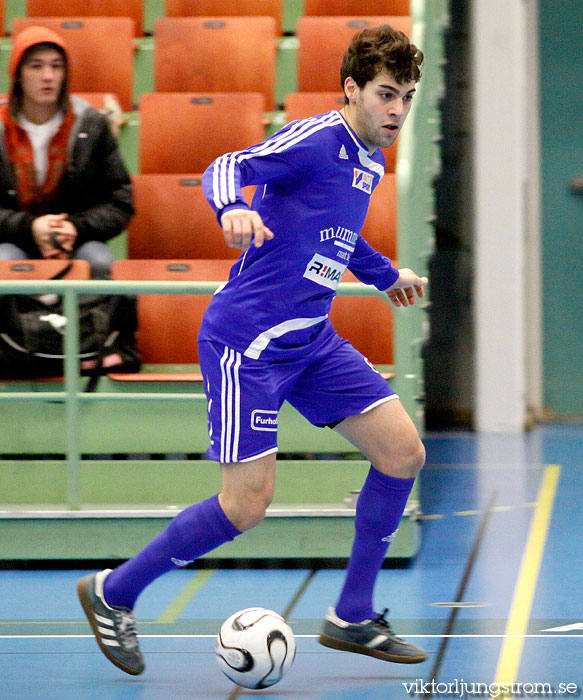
32, 333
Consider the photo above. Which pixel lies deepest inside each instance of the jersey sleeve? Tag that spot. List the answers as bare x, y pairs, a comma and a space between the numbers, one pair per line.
285, 157
371, 267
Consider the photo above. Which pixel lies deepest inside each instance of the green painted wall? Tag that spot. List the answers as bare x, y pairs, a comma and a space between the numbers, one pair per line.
561, 58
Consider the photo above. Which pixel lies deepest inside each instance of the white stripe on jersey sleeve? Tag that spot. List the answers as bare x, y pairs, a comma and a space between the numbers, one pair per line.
224, 186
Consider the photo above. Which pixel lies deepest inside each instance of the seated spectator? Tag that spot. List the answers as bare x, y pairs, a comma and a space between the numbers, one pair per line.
64, 190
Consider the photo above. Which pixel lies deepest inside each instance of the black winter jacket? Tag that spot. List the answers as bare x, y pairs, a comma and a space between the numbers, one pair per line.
95, 190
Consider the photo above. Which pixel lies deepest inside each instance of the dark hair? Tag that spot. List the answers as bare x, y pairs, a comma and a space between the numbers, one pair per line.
16, 92
381, 48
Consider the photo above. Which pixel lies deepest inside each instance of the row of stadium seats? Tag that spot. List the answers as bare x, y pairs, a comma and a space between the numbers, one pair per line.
219, 54
165, 321
174, 220
168, 120
134, 9
220, 85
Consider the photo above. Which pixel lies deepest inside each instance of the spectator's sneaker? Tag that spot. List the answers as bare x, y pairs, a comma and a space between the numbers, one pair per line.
114, 628
371, 637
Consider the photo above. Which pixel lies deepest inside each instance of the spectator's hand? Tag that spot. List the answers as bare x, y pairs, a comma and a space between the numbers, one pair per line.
239, 225
54, 236
402, 292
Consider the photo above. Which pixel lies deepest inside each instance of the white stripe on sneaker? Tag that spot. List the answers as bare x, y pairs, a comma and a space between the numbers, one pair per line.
104, 631
110, 642
379, 639
104, 620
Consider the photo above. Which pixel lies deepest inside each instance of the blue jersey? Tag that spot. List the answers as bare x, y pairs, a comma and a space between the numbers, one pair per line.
314, 181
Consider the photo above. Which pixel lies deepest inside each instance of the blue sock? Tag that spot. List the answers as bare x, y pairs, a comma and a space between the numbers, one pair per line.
195, 531
379, 509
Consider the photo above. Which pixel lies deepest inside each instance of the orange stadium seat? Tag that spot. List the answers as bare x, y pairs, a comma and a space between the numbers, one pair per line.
318, 70
180, 316
174, 220
225, 8
42, 269
89, 8
356, 7
168, 323
380, 226
101, 51
215, 54
185, 132
300, 105
366, 323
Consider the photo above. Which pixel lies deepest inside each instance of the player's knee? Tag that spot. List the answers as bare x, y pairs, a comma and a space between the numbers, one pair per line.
416, 459
407, 461
248, 510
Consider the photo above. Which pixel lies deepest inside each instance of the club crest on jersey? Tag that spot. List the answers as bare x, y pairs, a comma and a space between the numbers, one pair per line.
264, 420
362, 181
324, 271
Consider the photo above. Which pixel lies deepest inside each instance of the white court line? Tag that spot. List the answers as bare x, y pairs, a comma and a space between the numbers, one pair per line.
300, 636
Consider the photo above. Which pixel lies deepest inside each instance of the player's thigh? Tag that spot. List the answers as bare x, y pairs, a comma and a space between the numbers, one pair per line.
243, 400
387, 437
339, 382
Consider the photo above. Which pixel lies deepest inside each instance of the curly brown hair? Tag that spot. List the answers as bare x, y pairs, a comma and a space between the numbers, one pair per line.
381, 48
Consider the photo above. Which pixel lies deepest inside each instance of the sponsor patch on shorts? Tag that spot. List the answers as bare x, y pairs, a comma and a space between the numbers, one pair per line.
264, 420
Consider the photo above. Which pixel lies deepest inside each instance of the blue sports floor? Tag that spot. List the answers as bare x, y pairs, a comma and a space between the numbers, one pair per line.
502, 539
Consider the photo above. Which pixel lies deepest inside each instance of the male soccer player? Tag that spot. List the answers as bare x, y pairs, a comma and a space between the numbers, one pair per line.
266, 338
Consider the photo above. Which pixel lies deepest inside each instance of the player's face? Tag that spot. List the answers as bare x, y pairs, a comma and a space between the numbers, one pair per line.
377, 111
41, 77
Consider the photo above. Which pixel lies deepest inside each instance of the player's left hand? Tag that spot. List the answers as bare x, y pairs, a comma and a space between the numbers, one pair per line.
402, 292
240, 226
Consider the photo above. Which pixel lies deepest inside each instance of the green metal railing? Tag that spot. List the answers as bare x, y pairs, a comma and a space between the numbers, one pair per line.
72, 394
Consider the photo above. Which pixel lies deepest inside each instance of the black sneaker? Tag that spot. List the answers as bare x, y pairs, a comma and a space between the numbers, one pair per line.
114, 628
371, 637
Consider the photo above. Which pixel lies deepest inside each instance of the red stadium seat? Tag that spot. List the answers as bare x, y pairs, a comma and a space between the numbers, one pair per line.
215, 54
42, 269
101, 50
185, 132
300, 105
226, 8
89, 8
356, 7
174, 220
168, 323
380, 226
367, 323
318, 70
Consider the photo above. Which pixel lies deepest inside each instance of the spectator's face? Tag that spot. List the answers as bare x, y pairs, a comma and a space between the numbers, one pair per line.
41, 77
377, 111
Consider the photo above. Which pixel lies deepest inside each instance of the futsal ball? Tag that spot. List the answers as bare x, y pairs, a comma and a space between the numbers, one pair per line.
255, 648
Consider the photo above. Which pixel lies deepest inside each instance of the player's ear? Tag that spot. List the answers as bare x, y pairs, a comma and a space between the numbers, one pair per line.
350, 88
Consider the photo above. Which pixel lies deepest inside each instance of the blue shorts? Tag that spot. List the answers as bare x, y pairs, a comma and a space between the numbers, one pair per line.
325, 384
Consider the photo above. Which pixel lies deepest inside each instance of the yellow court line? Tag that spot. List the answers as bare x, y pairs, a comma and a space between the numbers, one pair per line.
185, 596
517, 623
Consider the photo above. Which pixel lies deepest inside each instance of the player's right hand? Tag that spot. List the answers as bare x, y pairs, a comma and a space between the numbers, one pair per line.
241, 225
